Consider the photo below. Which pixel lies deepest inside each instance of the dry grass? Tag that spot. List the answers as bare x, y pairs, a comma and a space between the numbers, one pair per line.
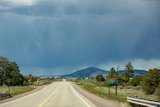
14, 90
123, 92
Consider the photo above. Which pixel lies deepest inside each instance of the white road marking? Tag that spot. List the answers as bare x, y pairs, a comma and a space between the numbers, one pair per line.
48, 98
23, 97
76, 93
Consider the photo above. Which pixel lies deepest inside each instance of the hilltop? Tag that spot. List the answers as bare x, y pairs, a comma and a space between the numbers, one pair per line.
88, 72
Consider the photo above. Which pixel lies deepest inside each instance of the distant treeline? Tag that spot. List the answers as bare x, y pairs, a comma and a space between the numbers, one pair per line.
10, 75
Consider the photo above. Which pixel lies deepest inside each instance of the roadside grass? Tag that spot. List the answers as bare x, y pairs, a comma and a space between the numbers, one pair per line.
123, 92
15, 90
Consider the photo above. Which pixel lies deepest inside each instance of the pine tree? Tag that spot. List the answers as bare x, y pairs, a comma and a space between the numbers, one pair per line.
129, 73
112, 74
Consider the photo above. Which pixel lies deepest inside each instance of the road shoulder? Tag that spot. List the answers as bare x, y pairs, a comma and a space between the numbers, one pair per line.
98, 101
37, 88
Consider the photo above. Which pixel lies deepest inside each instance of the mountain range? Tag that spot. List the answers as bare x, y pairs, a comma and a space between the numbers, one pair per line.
92, 71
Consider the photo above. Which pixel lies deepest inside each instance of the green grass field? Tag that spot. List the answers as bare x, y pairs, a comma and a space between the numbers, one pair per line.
14, 90
123, 92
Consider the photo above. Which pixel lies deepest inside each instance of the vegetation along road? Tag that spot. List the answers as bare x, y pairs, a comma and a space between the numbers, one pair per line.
57, 94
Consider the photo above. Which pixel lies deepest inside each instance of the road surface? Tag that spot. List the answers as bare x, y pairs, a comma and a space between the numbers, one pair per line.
57, 94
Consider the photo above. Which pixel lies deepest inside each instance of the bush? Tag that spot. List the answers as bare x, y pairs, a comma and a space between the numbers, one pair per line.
157, 91
100, 78
148, 89
151, 81
137, 88
136, 80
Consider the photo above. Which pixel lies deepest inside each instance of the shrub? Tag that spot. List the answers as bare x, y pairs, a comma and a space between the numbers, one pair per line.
137, 88
100, 78
157, 91
151, 81
136, 80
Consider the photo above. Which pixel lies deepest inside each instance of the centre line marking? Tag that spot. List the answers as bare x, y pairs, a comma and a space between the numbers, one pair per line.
49, 97
41, 105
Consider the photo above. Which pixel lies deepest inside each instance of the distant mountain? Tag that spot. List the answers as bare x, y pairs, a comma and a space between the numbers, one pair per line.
92, 71
88, 72
136, 72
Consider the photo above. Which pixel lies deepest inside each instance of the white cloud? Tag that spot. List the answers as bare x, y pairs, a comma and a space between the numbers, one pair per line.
137, 64
146, 64
20, 2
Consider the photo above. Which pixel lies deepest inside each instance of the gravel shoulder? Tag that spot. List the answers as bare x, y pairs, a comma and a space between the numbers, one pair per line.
37, 88
98, 101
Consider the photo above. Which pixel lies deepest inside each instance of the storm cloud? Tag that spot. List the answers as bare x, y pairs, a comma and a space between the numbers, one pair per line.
69, 34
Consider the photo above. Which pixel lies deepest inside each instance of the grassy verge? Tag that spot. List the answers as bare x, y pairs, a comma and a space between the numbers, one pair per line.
122, 92
14, 90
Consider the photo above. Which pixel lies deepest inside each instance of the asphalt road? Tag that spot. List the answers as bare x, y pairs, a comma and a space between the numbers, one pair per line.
57, 94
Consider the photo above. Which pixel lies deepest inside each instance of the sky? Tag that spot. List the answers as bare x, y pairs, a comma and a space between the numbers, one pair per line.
47, 37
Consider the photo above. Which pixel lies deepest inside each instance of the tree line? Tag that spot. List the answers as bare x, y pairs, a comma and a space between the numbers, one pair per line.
10, 75
150, 81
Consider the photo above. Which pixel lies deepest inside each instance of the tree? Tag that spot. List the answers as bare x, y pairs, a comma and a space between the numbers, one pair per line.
112, 74
100, 78
4, 72
10, 73
1, 76
15, 76
113, 79
31, 79
151, 81
136, 80
25, 82
3, 62
17, 79
129, 73
13, 67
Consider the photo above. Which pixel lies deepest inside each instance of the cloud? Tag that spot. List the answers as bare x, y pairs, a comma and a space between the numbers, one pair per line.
50, 71
60, 8
137, 64
18, 2
70, 33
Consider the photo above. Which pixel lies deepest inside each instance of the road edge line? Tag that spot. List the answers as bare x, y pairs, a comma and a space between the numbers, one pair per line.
77, 94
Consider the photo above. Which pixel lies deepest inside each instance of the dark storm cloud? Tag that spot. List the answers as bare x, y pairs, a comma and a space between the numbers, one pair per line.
70, 33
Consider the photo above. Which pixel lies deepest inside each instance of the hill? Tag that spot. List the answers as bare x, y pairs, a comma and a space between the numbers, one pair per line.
92, 71
88, 72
